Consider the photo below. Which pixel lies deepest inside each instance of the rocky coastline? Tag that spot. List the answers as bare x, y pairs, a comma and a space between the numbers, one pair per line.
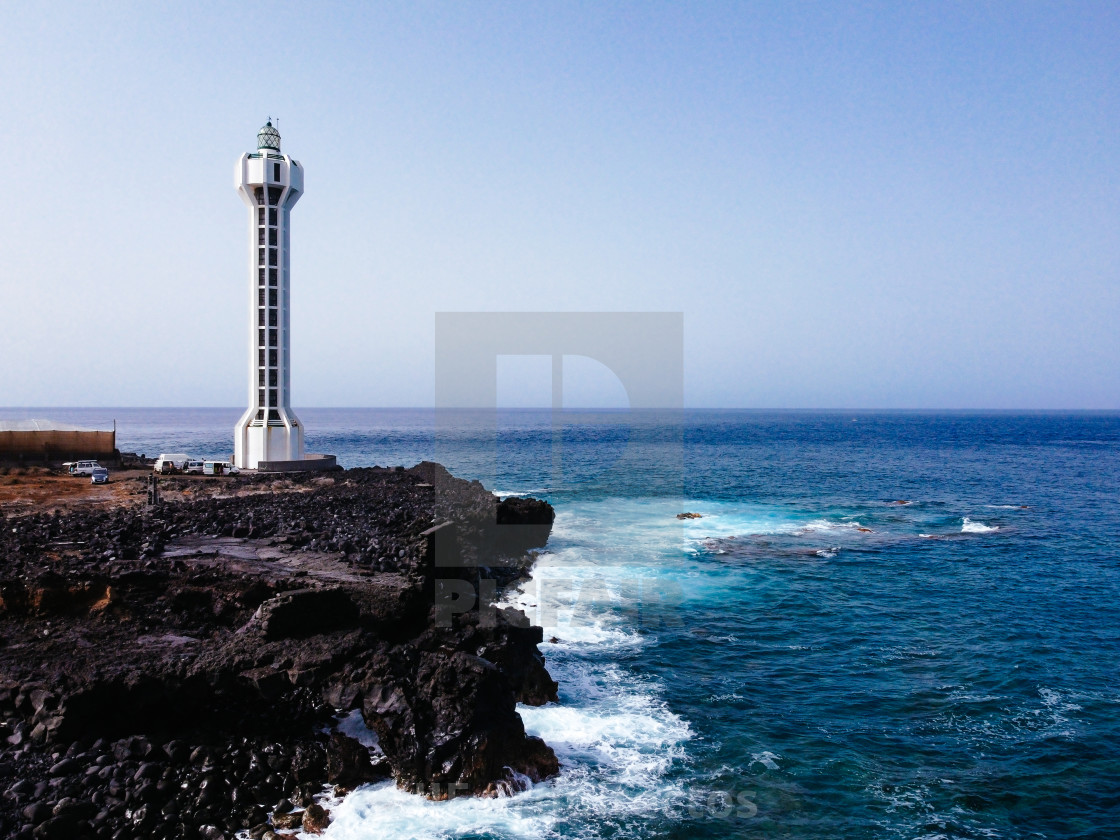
179, 670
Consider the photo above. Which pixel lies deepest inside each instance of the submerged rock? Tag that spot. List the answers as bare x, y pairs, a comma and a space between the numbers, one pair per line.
316, 818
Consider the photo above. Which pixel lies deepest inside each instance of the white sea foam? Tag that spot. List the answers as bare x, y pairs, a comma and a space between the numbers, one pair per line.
970, 527
355, 726
1058, 704
615, 737
615, 740
631, 738
614, 571
825, 525
383, 811
577, 605
723, 698
614, 749
1053, 717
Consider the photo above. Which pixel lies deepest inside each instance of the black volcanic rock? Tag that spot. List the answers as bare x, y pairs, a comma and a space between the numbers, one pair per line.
449, 726
306, 612
523, 523
349, 764
127, 629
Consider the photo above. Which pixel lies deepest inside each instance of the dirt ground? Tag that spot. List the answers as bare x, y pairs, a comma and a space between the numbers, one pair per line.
39, 489
23, 489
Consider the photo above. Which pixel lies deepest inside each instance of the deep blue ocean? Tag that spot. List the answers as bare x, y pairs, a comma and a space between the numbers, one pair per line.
881, 625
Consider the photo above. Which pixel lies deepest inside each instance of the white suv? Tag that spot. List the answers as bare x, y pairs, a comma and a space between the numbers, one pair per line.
193, 467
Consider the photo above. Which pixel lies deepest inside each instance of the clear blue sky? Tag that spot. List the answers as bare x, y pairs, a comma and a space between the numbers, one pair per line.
854, 205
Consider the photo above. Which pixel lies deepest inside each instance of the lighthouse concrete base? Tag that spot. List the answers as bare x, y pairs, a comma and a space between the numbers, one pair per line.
309, 463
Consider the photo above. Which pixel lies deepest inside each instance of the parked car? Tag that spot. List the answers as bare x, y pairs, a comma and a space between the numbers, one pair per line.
100, 475
84, 467
167, 464
193, 467
219, 468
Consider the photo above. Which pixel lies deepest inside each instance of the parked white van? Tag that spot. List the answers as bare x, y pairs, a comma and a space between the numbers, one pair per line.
171, 463
219, 468
84, 467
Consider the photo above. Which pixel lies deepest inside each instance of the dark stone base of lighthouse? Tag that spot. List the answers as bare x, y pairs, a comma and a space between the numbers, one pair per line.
309, 463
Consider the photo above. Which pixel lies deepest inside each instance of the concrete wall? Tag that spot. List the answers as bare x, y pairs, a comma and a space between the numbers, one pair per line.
57, 445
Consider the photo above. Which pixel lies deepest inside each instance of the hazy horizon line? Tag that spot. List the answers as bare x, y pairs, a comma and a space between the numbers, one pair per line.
789, 409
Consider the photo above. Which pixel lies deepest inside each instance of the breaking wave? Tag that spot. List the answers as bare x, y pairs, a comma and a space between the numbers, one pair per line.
970, 527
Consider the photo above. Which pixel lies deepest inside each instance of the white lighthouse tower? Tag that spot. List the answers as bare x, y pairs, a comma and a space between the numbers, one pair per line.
270, 183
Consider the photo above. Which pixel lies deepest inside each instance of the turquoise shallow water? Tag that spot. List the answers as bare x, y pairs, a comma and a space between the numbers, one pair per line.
809, 658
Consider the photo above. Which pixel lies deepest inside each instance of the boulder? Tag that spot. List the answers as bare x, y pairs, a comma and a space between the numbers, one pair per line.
316, 818
349, 763
454, 723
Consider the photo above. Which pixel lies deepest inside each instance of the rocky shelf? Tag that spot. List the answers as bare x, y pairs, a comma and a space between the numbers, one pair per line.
178, 670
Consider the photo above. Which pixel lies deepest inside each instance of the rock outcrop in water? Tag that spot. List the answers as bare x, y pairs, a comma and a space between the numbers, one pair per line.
175, 671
